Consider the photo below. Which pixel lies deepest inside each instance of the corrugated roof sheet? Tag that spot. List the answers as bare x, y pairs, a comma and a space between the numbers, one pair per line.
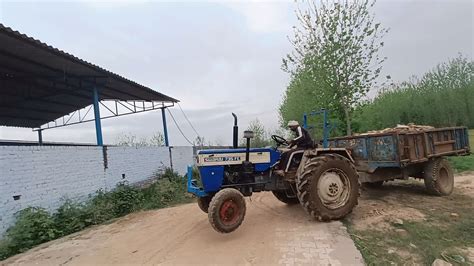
40, 83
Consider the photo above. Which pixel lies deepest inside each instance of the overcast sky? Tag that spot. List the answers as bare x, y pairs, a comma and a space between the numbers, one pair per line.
217, 57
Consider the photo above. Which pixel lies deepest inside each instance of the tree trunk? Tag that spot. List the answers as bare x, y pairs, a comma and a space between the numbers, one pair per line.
348, 121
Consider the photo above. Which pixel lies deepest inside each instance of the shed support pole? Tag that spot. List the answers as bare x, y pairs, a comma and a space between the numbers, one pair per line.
98, 126
165, 128
40, 137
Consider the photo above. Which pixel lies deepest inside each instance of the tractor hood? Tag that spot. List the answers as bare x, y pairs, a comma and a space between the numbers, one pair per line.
262, 158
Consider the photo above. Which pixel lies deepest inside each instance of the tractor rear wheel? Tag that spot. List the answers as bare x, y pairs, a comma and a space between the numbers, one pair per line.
328, 187
282, 195
439, 177
203, 203
227, 210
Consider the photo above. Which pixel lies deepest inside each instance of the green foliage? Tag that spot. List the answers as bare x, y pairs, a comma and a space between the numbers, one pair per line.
442, 97
437, 236
126, 199
335, 58
33, 226
36, 225
169, 190
462, 163
71, 217
261, 135
131, 140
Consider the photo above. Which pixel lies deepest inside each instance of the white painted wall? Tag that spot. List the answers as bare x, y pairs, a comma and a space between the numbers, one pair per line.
44, 176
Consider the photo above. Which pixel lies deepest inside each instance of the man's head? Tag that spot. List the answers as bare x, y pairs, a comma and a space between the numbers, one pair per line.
293, 125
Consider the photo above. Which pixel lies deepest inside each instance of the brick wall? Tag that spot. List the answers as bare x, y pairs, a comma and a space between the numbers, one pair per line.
45, 175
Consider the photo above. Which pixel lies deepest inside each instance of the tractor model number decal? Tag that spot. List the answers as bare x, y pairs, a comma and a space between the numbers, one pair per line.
222, 159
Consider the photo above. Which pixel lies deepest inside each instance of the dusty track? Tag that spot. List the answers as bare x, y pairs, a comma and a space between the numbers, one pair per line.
272, 233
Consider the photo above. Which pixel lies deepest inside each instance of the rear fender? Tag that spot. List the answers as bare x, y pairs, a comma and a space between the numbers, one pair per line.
321, 151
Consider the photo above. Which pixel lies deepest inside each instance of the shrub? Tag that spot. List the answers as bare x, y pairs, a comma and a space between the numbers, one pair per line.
126, 199
100, 208
71, 217
168, 190
33, 226
5, 250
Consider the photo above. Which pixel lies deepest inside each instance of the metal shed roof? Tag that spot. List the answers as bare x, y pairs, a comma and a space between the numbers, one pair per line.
39, 83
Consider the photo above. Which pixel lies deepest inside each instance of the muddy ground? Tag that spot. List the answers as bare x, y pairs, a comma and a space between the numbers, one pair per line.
272, 233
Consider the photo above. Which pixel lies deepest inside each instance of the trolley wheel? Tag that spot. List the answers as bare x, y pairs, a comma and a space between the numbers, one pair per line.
439, 177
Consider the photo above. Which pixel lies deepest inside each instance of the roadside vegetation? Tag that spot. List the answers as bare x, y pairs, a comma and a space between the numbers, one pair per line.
419, 230
464, 163
442, 97
36, 225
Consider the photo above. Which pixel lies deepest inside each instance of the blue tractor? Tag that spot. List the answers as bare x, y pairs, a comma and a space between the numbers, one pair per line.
323, 180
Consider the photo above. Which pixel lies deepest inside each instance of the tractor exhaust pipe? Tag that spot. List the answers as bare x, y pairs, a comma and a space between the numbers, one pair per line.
247, 165
236, 133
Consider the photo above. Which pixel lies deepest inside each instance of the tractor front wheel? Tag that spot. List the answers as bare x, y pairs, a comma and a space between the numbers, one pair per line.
328, 187
203, 203
227, 210
282, 195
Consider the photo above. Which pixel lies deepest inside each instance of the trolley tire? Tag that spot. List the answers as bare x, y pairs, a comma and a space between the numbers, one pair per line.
227, 210
439, 177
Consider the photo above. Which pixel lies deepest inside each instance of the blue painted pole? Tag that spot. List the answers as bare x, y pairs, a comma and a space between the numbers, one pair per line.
98, 126
165, 128
305, 121
325, 129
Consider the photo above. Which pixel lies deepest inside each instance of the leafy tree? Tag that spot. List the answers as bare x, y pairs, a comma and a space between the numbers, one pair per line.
335, 57
131, 140
261, 136
442, 97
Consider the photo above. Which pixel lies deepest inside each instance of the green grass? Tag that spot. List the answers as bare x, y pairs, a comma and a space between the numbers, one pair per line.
439, 236
464, 163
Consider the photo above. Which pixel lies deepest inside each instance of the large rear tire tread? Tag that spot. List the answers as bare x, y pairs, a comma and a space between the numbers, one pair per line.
282, 196
215, 208
307, 190
433, 177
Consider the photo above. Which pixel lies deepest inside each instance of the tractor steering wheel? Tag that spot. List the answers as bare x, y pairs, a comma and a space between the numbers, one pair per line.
280, 140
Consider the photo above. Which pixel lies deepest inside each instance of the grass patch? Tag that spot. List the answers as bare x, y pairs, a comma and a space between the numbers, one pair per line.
440, 236
35, 225
464, 163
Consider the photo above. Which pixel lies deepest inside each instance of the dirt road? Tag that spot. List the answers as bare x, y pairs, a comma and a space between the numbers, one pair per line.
272, 233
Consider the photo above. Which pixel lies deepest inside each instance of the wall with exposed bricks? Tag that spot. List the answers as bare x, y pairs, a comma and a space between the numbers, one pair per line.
44, 176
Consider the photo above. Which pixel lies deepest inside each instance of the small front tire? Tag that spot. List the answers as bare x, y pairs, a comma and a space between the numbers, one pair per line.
227, 210
203, 203
282, 195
